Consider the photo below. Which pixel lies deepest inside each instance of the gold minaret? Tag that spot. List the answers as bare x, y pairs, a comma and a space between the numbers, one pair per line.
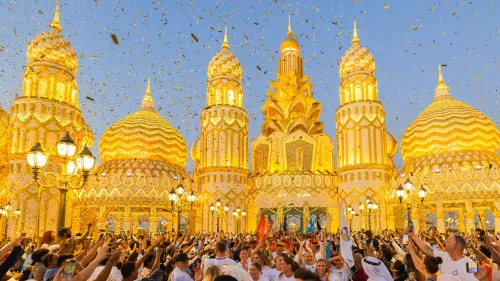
46, 109
364, 147
221, 152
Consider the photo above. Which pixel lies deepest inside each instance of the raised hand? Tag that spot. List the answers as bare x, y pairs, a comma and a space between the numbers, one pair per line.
103, 253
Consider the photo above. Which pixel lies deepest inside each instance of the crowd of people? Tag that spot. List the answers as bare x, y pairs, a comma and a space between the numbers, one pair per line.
390, 255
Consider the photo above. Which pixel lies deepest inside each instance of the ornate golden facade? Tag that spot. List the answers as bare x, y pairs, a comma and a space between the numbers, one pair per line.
292, 159
46, 109
143, 159
451, 150
364, 147
221, 152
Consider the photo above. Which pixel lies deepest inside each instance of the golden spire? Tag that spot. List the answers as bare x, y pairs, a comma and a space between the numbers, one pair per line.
55, 24
225, 44
442, 89
289, 26
147, 101
355, 38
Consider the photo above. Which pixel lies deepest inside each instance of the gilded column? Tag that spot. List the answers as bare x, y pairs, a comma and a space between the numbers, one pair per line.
416, 219
221, 150
334, 219
469, 222
118, 221
153, 224
126, 223
364, 147
496, 216
461, 225
101, 223
423, 221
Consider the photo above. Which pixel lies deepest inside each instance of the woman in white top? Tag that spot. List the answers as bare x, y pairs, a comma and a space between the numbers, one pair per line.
268, 272
255, 272
245, 258
324, 272
288, 267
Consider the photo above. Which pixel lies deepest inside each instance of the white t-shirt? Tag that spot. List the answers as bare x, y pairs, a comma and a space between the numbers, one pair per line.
270, 273
318, 256
220, 262
342, 274
282, 277
262, 278
240, 265
180, 275
114, 275
333, 277
455, 268
310, 267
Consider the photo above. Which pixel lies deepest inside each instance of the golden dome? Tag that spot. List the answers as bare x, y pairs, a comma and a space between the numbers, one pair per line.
356, 59
290, 41
51, 48
449, 125
225, 63
144, 135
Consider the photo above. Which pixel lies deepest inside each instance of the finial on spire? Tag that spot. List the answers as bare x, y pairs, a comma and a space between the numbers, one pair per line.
355, 38
225, 44
289, 25
55, 24
442, 89
147, 101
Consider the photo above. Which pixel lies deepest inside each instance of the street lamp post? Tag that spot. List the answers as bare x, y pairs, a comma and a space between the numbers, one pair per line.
217, 211
68, 179
238, 216
404, 195
175, 197
4, 211
350, 215
371, 206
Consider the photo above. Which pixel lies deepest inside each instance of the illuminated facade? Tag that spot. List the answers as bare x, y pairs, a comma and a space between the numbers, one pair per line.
292, 159
46, 109
221, 152
364, 147
451, 150
143, 159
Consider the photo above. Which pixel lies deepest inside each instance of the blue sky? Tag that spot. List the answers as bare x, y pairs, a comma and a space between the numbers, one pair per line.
407, 38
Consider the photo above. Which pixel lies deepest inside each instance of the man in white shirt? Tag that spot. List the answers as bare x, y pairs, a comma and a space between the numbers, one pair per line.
454, 260
339, 268
180, 271
220, 259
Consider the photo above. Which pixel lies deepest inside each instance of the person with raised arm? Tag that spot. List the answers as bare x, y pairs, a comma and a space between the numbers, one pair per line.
454, 260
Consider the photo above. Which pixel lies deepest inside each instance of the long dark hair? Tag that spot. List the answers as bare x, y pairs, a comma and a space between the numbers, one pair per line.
432, 263
288, 260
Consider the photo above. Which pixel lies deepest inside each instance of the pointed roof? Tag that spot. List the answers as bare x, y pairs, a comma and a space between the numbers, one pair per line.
147, 101
290, 41
355, 38
55, 24
442, 89
289, 26
225, 44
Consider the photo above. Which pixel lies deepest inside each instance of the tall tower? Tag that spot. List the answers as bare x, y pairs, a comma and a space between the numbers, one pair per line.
221, 152
364, 147
46, 109
292, 159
